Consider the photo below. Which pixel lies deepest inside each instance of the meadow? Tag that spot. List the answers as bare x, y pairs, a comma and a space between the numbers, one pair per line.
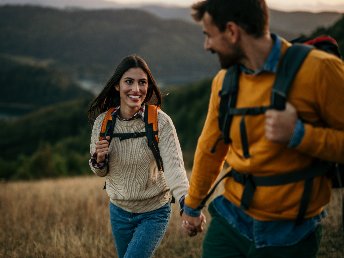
68, 218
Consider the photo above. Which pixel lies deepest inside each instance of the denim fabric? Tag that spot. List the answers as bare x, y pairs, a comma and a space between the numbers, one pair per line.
137, 235
224, 241
271, 63
265, 233
299, 132
271, 233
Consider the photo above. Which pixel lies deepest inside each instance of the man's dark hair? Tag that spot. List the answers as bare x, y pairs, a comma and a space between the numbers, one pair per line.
251, 15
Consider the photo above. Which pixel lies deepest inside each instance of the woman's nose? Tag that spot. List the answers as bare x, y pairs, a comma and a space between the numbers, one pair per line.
135, 87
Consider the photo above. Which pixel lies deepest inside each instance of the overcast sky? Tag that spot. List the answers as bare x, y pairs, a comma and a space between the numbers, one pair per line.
287, 5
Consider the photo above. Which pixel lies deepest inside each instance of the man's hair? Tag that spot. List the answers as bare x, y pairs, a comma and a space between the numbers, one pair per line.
251, 15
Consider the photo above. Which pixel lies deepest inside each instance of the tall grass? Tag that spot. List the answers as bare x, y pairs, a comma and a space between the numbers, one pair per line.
69, 218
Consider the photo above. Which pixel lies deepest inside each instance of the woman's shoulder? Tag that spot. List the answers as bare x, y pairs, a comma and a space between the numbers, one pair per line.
100, 117
164, 120
98, 121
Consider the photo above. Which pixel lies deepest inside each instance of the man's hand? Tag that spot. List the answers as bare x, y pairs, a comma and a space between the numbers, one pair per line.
279, 125
193, 225
102, 149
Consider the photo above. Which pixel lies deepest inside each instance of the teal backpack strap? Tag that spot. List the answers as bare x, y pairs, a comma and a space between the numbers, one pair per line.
286, 72
228, 95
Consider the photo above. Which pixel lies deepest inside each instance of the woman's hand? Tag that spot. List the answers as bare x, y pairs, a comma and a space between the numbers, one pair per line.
102, 149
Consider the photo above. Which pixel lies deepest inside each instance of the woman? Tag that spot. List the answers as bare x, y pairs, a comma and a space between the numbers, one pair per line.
139, 192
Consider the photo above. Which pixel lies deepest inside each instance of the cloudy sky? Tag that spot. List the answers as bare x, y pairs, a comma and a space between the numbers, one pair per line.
287, 5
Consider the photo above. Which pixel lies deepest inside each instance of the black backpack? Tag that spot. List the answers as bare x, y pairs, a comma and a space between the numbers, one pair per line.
288, 68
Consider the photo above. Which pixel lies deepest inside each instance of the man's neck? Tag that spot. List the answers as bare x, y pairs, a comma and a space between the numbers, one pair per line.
256, 50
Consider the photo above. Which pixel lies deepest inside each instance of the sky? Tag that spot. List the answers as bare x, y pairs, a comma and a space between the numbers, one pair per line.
285, 5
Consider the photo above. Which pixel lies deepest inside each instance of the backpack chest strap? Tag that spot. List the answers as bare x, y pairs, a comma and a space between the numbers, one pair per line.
307, 175
125, 136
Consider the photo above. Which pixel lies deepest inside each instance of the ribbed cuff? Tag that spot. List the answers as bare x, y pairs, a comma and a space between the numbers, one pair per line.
191, 212
97, 165
299, 132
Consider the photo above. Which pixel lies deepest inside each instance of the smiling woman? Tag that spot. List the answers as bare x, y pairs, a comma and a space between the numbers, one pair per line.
141, 178
132, 90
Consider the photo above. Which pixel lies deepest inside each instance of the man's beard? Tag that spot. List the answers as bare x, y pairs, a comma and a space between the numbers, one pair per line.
228, 60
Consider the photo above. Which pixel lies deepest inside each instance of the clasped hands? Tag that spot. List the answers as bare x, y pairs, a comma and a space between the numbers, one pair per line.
193, 225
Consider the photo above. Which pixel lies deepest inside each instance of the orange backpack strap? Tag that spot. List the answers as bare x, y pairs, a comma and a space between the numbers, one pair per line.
151, 124
107, 125
152, 118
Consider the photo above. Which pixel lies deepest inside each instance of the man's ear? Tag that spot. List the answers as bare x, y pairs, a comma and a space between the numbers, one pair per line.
232, 32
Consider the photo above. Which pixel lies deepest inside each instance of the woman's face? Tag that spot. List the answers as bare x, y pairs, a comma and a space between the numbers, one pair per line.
132, 89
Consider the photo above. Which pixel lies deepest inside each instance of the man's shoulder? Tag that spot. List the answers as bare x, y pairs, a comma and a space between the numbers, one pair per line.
218, 79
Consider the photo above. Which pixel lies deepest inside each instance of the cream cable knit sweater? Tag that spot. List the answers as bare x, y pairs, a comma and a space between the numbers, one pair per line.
133, 181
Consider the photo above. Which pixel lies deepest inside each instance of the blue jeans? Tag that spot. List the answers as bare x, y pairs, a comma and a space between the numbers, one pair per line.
138, 234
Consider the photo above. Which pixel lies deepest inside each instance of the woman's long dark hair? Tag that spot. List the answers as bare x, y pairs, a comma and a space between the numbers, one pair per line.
109, 96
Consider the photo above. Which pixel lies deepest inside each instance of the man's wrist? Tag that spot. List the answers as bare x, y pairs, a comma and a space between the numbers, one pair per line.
191, 212
299, 132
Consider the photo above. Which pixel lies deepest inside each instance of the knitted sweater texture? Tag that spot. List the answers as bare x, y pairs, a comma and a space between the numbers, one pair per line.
133, 181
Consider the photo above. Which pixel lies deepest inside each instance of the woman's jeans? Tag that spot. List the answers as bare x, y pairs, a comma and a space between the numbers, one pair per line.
138, 234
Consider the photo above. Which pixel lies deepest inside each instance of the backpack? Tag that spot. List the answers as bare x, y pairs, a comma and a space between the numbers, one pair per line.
151, 130
288, 68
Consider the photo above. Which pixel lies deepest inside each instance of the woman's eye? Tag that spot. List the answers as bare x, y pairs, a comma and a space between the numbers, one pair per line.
129, 82
143, 83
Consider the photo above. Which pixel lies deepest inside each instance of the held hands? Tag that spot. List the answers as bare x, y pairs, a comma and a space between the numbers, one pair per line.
102, 149
193, 225
280, 124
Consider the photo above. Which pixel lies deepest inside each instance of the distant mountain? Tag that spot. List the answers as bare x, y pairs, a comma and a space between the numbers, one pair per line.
26, 86
87, 4
287, 24
90, 43
292, 24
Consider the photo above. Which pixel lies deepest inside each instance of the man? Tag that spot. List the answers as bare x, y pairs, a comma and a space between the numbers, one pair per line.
310, 128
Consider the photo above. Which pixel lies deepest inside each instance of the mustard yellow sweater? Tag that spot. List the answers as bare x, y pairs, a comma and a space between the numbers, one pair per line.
318, 95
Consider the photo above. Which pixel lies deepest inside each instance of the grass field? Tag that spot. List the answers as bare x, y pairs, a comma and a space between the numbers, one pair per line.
69, 218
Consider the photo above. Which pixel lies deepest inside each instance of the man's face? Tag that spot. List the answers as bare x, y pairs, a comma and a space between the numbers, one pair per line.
218, 42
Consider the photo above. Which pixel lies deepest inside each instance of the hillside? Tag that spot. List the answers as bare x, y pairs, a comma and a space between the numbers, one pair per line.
54, 139
336, 31
59, 134
89, 44
287, 24
26, 85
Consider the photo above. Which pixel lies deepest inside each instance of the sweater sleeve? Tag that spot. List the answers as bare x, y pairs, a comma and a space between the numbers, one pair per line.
327, 142
172, 158
94, 138
207, 164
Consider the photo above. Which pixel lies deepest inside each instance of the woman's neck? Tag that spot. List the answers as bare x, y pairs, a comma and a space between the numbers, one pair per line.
127, 113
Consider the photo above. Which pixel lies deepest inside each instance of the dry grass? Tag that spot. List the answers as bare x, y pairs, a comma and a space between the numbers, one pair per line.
69, 218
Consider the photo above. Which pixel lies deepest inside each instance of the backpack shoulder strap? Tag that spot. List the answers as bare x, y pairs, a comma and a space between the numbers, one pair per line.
228, 96
286, 72
151, 124
107, 125
152, 118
